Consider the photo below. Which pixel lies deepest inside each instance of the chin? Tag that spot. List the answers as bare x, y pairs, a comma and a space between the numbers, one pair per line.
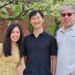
37, 27
15, 41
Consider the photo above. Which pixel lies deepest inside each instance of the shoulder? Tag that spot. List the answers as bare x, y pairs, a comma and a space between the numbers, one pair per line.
49, 36
1, 45
26, 38
60, 30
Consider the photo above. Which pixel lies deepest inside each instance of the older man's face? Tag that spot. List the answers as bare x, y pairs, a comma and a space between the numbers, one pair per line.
68, 17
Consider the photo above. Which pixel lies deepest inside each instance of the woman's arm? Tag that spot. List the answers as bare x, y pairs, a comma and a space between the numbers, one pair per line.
21, 67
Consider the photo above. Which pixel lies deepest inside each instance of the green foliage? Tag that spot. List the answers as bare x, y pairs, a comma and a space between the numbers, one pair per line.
21, 8
49, 7
51, 29
69, 1
17, 8
30, 28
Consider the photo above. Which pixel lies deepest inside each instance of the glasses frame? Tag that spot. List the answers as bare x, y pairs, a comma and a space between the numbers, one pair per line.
66, 14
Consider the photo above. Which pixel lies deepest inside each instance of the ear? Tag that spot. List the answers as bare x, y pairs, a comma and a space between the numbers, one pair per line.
74, 17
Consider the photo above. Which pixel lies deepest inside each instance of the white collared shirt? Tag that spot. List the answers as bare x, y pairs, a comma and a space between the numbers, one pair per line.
66, 51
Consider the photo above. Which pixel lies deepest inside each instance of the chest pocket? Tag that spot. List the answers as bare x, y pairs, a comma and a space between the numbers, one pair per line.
72, 38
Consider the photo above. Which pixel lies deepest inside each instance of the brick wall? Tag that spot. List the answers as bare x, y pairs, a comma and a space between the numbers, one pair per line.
3, 26
24, 24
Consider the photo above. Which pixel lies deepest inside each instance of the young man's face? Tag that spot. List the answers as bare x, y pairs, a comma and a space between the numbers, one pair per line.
68, 17
36, 21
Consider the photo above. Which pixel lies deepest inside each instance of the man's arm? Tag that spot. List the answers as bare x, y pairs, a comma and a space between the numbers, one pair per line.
53, 64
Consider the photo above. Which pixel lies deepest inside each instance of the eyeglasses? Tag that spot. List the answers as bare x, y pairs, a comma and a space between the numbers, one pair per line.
68, 14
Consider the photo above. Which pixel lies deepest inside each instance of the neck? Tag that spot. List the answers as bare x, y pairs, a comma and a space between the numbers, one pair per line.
13, 44
66, 28
38, 31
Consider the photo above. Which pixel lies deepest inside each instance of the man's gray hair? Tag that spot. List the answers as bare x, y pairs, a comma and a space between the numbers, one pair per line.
67, 6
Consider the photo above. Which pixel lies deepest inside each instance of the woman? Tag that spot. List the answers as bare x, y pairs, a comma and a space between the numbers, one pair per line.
11, 50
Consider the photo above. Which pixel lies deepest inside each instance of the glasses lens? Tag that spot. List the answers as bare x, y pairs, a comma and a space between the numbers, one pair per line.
63, 15
68, 14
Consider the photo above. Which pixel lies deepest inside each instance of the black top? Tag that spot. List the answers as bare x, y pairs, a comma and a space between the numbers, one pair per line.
38, 52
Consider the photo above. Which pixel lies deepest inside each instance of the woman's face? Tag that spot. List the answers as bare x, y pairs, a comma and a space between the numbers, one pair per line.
15, 35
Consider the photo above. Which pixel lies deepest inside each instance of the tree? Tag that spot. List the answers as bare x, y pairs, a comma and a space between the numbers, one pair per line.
21, 8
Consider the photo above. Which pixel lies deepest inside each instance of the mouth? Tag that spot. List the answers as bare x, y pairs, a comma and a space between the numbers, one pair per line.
15, 38
66, 21
37, 23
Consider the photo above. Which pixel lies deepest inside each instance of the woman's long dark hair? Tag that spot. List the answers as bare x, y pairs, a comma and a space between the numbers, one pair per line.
7, 41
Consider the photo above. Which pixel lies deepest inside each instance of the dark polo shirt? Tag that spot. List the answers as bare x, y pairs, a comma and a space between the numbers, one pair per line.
38, 52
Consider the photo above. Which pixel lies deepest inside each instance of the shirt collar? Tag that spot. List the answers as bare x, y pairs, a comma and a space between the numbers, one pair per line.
71, 28
62, 29
39, 34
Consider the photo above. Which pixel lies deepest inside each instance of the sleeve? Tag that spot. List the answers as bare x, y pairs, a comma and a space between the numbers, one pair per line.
24, 47
53, 47
1, 49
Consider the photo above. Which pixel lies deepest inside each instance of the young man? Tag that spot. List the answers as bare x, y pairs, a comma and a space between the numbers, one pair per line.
66, 41
39, 48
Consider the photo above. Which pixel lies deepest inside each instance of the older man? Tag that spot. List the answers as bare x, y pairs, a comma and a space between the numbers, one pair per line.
66, 41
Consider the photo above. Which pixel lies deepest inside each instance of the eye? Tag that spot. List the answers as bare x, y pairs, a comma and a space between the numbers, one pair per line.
17, 31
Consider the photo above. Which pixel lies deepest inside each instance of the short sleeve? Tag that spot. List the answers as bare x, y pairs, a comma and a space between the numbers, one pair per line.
1, 46
24, 47
53, 47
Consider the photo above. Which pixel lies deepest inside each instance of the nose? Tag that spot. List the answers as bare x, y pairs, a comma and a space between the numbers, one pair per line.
66, 16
